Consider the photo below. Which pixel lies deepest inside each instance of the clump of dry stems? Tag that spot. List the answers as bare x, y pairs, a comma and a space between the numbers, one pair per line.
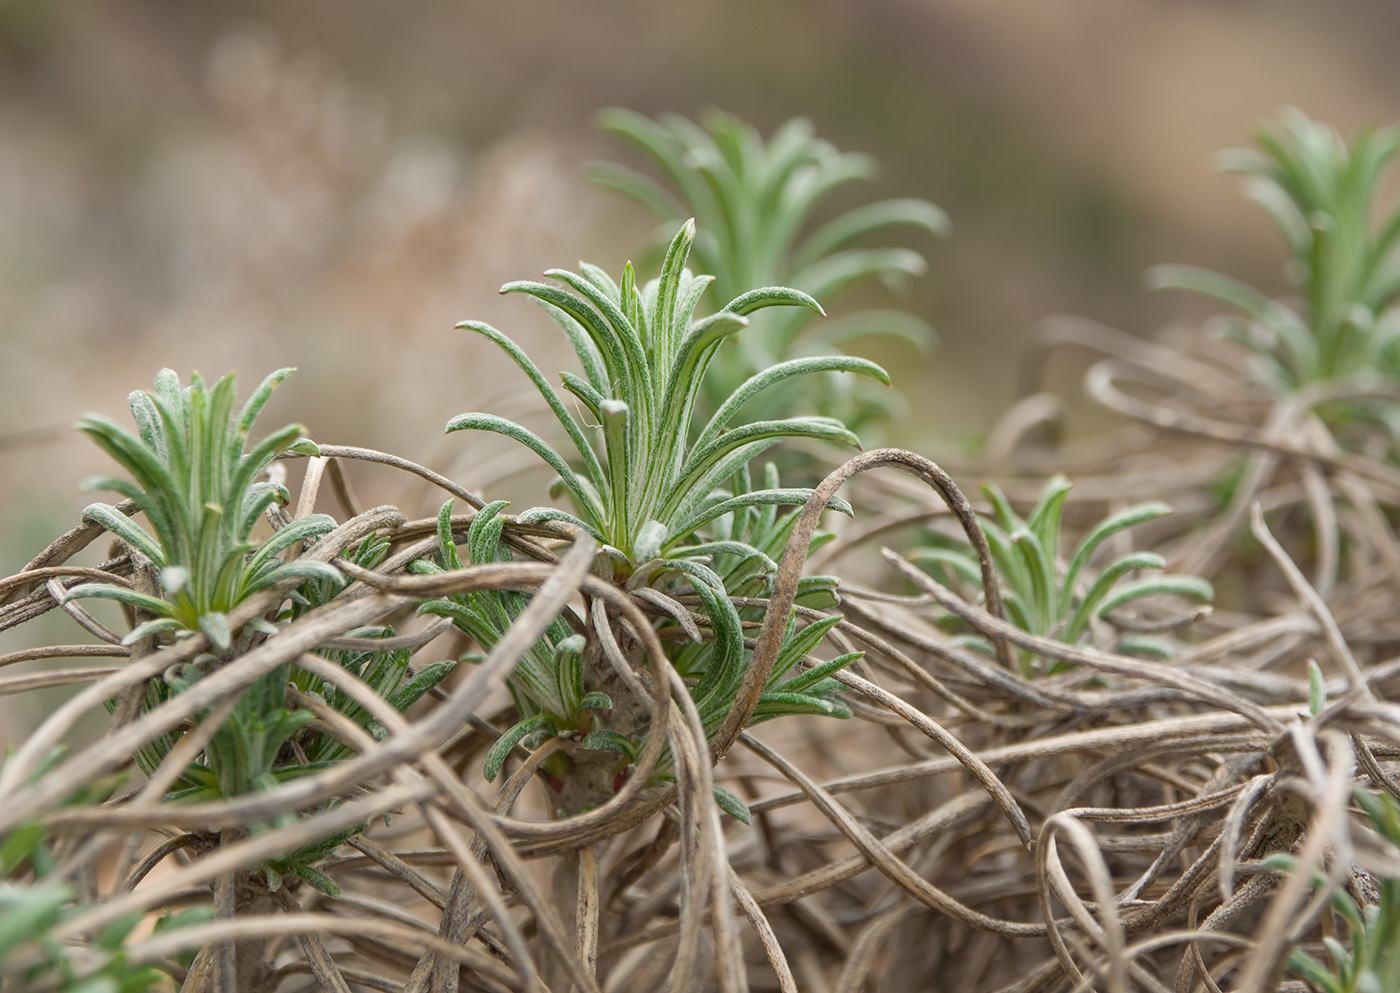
1097, 820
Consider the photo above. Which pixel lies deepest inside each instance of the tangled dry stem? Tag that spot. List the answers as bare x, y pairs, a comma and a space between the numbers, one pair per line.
1100, 828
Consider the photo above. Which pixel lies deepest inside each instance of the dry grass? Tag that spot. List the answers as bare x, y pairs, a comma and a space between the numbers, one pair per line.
1100, 828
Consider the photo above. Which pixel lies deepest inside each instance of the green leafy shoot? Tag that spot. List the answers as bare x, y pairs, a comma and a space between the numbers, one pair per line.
193, 477
644, 480
715, 668
717, 664
29, 952
755, 201
389, 673
670, 500
1369, 960
257, 748
245, 753
560, 690
548, 682
1321, 193
1046, 597
29, 913
301, 863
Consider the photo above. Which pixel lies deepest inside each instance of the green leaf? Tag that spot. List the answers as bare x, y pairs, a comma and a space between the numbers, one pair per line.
424, 680
1044, 520
872, 217
963, 565
732, 805
822, 428
736, 548
316, 879
650, 538
1191, 587
607, 740
772, 296
532, 441
299, 569
1092, 604
1122, 520
537, 514
551, 398
1145, 647
808, 678
776, 374
784, 497
18, 846
253, 407
107, 516
121, 594
634, 186
1212, 284
306, 528
1317, 689
216, 629
796, 647
496, 757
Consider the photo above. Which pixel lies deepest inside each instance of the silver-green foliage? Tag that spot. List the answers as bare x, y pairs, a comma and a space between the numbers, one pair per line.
719, 664
552, 683
1321, 192
645, 480
1053, 600
194, 480
548, 681
390, 673
754, 201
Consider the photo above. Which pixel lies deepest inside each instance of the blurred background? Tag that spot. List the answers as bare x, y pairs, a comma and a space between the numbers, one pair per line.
219, 185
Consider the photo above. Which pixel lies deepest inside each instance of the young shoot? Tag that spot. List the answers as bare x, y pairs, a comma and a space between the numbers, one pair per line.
644, 481
1045, 596
194, 479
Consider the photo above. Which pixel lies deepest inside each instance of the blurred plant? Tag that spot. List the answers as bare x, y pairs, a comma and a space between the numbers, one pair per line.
649, 488
1043, 599
30, 912
754, 201
29, 952
194, 481
1372, 962
1321, 193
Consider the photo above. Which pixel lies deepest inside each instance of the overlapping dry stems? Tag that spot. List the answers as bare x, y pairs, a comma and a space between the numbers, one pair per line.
1101, 828
1094, 821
